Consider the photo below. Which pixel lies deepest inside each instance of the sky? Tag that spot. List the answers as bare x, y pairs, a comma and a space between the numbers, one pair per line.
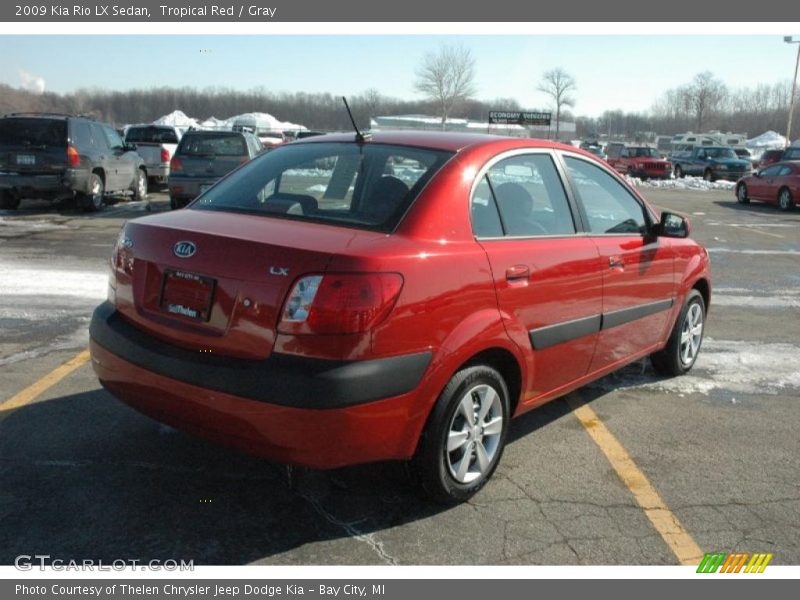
612, 71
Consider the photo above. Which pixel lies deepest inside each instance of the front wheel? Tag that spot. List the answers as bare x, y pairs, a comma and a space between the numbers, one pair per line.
708, 175
741, 194
680, 353
785, 200
678, 172
465, 435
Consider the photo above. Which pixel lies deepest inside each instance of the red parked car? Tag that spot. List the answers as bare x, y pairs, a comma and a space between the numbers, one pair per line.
639, 161
401, 297
770, 157
777, 184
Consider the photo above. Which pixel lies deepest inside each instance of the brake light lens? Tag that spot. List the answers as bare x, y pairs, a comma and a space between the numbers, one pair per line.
165, 155
175, 165
338, 303
73, 158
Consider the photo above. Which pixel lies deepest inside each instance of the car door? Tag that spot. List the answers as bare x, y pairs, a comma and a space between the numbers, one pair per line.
781, 179
103, 157
547, 280
638, 268
124, 161
763, 186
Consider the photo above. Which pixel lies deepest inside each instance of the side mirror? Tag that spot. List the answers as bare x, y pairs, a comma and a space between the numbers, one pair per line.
673, 225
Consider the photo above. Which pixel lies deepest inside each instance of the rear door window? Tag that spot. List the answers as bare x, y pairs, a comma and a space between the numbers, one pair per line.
213, 145
33, 132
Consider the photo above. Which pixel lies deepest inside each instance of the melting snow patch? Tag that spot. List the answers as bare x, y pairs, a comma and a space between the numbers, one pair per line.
687, 183
20, 281
742, 367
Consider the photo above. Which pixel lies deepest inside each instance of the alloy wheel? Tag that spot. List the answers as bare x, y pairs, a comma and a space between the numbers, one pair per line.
473, 436
691, 334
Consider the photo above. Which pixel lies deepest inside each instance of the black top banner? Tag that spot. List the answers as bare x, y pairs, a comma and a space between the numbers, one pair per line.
505, 117
464, 11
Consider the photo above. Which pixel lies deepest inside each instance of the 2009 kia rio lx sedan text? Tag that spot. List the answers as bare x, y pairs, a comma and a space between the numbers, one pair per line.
341, 300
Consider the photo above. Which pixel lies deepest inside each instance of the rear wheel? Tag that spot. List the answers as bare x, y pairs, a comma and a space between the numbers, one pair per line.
140, 185
94, 200
173, 203
785, 200
8, 201
465, 435
741, 194
680, 353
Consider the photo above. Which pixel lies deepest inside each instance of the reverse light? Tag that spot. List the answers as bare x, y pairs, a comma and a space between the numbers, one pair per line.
339, 303
73, 158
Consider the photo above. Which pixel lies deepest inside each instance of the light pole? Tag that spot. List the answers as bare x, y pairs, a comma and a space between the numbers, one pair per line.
789, 40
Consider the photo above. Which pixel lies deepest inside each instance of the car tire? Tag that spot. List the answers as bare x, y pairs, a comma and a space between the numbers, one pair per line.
465, 435
8, 201
785, 200
140, 185
679, 174
741, 194
95, 198
708, 175
173, 203
680, 353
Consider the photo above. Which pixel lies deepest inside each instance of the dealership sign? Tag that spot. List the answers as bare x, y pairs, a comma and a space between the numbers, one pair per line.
517, 117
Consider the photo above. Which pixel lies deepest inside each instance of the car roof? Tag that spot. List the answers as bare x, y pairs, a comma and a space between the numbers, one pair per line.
435, 140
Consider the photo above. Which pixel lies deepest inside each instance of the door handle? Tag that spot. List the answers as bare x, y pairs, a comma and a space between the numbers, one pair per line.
517, 272
616, 262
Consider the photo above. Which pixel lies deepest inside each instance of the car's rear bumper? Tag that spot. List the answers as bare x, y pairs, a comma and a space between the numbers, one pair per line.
311, 412
731, 175
24, 184
189, 187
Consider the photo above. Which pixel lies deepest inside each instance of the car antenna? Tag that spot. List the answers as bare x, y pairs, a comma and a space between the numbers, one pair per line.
360, 137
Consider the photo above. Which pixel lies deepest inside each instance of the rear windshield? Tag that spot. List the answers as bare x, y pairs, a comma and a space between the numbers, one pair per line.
34, 133
792, 154
368, 186
151, 135
231, 144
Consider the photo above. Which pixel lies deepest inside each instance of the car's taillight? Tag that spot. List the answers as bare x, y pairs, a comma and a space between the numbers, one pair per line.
165, 155
339, 302
175, 165
73, 158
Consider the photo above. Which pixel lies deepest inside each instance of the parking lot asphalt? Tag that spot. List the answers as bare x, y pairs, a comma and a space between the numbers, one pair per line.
83, 476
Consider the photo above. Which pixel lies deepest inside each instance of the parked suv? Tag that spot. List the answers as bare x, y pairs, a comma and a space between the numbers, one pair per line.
203, 157
339, 300
54, 157
639, 161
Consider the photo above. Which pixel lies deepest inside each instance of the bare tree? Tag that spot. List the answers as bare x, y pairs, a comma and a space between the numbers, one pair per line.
447, 77
705, 95
559, 85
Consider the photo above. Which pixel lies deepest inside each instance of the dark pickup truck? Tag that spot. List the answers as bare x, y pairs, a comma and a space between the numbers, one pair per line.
710, 163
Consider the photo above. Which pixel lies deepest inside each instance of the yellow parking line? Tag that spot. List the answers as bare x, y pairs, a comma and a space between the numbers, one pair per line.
30, 393
666, 523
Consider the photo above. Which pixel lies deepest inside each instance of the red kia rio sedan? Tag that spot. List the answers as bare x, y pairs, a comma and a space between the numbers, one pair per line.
341, 300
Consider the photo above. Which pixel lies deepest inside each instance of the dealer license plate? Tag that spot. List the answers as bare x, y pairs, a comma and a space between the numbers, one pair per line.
187, 294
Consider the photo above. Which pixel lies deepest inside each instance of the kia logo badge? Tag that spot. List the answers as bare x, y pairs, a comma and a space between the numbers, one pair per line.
184, 249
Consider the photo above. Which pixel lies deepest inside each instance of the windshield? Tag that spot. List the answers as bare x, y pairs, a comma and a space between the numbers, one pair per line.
792, 154
644, 152
231, 144
151, 135
720, 153
33, 132
360, 185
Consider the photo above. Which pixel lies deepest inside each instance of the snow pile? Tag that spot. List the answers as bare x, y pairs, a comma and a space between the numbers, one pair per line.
265, 121
687, 183
176, 118
769, 140
41, 283
213, 122
745, 367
